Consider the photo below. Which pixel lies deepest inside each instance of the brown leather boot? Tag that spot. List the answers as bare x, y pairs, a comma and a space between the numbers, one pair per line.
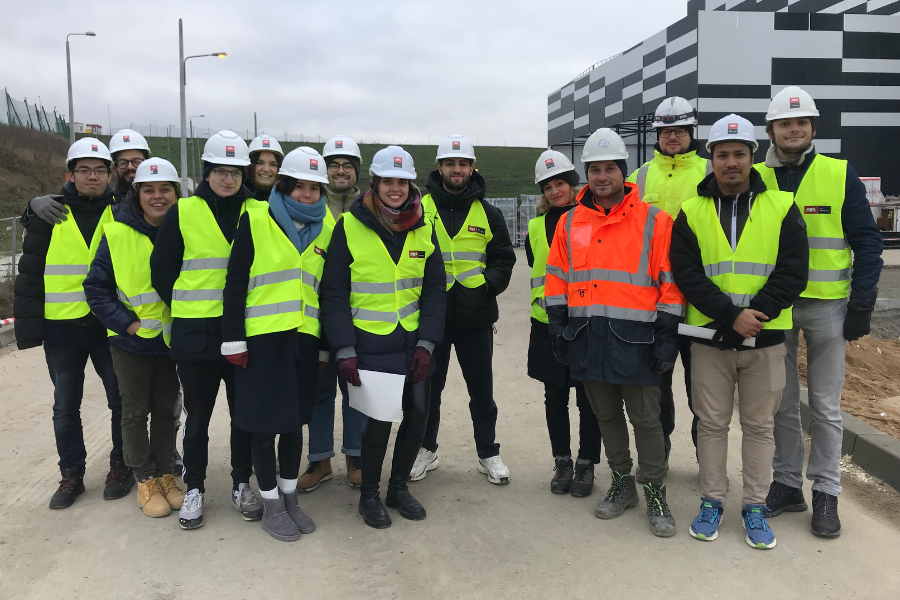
354, 474
173, 494
151, 499
316, 472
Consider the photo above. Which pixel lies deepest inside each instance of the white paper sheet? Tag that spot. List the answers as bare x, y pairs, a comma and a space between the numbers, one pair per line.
705, 333
379, 396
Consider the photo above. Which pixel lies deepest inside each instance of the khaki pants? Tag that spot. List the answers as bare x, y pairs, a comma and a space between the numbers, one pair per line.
759, 375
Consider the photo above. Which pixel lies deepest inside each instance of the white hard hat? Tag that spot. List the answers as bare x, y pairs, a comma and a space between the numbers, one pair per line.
604, 144
791, 102
88, 147
127, 139
266, 143
226, 148
341, 145
156, 169
304, 163
674, 112
551, 163
733, 128
455, 146
393, 161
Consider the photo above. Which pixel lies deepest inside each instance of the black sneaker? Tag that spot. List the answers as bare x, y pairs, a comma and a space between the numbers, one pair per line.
119, 482
825, 520
583, 479
562, 478
784, 498
69, 488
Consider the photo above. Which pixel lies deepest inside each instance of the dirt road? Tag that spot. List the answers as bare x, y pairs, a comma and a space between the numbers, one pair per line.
479, 540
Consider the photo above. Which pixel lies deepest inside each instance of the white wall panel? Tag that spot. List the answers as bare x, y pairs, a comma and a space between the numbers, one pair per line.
870, 119
735, 48
688, 66
733, 105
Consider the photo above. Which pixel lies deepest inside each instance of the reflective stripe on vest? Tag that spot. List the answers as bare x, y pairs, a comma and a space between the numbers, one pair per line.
464, 255
820, 198
197, 293
129, 252
383, 293
741, 273
540, 249
666, 182
66, 267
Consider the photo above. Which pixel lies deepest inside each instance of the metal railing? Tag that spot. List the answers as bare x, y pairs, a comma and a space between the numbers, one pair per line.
10, 246
508, 206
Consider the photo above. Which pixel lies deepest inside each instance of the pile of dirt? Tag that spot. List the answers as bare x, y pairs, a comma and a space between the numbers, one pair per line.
872, 384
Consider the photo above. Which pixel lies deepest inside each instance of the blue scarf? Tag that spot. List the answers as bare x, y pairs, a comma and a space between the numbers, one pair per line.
286, 211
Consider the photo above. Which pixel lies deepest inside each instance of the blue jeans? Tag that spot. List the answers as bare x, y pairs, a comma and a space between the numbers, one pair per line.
66, 360
321, 427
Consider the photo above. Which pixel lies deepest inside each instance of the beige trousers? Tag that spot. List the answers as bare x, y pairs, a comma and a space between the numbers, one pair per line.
760, 377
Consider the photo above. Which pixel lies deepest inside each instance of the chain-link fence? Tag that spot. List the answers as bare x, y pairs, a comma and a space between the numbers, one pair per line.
32, 115
11, 232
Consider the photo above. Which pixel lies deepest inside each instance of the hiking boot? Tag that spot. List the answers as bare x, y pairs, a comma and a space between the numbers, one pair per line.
758, 533
173, 494
825, 520
706, 525
244, 500
662, 523
119, 482
783, 497
426, 461
583, 480
562, 477
373, 511
292, 505
398, 497
354, 474
494, 468
191, 514
70, 487
316, 472
151, 499
622, 494
277, 522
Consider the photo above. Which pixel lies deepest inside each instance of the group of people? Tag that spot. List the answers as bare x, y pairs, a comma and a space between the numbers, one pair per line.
283, 280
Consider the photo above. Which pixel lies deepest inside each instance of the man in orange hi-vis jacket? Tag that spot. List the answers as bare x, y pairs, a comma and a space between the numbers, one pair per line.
614, 309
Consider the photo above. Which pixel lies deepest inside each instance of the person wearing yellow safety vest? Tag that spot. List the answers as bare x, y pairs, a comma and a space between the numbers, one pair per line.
383, 306
666, 181
118, 291
271, 331
845, 264
187, 268
50, 308
478, 261
739, 256
556, 177
266, 156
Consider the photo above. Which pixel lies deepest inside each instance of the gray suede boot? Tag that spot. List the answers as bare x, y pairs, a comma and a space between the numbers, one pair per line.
300, 518
277, 522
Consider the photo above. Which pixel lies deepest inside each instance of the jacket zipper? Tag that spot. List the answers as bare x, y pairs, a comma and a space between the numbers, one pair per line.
734, 225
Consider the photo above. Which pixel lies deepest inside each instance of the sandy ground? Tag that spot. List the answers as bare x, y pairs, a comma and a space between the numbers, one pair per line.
479, 540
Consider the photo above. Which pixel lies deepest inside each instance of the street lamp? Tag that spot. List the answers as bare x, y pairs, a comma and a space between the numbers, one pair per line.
183, 81
69, 71
194, 150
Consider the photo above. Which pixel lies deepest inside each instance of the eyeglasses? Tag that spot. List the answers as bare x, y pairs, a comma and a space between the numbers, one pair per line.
667, 133
335, 167
225, 173
123, 162
87, 172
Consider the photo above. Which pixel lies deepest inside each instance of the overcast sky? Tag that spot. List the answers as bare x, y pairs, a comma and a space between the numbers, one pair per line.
381, 70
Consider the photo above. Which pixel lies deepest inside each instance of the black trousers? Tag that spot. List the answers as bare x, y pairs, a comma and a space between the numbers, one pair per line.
667, 403
556, 405
200, 380
406, 446
474, 351
290, 453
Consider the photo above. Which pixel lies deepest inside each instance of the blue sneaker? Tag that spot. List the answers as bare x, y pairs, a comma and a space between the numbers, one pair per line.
758, 533
706, 526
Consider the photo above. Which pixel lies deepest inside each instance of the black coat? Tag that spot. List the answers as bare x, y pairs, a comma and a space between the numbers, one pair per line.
390, 353
192, 339
475, 308
102, 291
28, 305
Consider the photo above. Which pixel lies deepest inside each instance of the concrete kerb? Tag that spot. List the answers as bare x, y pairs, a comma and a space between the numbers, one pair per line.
7, 335
873, 450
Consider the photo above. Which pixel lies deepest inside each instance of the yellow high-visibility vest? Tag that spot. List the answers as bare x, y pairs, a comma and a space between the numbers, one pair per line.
667, 181
540, 249
465, 255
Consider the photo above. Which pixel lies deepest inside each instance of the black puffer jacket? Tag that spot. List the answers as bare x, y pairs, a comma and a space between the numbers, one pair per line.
475, 308
192, 339
390, 353
102, 291
28, 306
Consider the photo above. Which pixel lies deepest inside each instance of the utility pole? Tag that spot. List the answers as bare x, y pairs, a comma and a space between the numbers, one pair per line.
254, 124
69, 71
184, 177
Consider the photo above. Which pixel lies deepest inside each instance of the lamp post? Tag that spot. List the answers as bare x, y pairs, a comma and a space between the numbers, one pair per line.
69, 71
194, 150
183, 81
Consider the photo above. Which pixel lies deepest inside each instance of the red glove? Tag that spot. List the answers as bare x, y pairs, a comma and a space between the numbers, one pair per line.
348, 369
421, 362
238, 360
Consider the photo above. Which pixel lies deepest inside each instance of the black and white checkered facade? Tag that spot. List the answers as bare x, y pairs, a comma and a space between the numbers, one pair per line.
734, 56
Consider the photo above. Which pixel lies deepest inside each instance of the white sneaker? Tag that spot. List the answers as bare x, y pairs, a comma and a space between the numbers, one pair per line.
425, 461
191, 514
494, 468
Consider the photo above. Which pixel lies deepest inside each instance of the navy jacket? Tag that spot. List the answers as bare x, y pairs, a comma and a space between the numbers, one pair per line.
102, 291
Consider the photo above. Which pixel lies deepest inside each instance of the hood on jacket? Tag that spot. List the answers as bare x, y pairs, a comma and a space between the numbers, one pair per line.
474, 189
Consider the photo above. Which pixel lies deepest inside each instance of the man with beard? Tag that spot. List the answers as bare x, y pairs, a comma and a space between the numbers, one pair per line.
478, 261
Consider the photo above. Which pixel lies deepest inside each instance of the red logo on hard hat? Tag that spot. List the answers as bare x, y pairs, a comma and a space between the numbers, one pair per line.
732, 128
549, 163
339, 144
266, 143
229, 151
795, 102
126, 138
94, 148
313, 164
398, 162
455, 145
154, 170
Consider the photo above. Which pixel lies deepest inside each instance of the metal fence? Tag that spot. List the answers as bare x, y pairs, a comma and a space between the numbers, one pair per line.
509, 208
32, 115
527, 211
11, 232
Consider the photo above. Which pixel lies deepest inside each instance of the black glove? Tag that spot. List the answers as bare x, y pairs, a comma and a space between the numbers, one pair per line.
49, 209
857, 324
560, 349
660, 366
726, 338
